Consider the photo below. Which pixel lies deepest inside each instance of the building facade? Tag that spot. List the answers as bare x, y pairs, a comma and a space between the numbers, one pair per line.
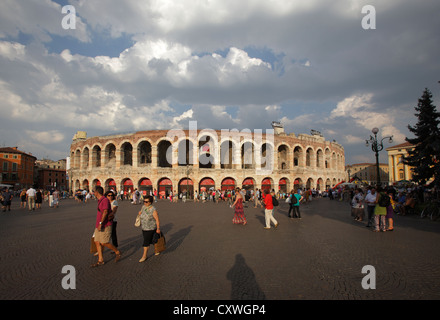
398, 170
17, 168
51, 174
367, 172
180, 160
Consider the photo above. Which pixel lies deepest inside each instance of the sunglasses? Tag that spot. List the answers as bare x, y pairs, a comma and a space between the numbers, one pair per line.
147, 201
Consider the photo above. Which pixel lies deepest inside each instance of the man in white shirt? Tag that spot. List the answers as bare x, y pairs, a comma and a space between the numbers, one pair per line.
370, 200
30, 196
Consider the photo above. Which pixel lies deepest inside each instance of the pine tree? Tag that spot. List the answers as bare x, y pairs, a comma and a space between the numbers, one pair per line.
425, 157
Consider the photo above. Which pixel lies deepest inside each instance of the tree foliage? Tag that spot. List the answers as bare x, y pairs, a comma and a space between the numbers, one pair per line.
425, 157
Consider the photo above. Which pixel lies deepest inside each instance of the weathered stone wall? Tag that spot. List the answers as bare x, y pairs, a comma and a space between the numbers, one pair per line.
311, 160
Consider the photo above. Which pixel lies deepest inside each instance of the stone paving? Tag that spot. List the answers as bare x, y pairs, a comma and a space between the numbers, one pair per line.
319, 257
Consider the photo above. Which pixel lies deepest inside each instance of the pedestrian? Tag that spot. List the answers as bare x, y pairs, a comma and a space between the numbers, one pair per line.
23, 199
38, 198
380, 211
295, 199
257, 199
7, 199
370, 201
268, 211
357, 205
103, 227
30, 195
114, 206
239, 217
390, 209
149, 223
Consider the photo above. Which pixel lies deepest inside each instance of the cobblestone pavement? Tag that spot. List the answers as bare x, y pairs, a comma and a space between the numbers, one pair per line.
319, 257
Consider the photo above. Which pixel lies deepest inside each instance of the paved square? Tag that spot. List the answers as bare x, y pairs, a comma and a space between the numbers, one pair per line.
209, 258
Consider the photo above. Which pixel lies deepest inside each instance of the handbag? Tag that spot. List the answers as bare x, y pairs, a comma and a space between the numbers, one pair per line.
93, 248
159, 243
137, 223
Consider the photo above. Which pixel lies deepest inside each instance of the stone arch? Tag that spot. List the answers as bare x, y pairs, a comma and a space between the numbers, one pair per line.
164, 154
283, 156
126, 151
144, 153
110, 154
298, 156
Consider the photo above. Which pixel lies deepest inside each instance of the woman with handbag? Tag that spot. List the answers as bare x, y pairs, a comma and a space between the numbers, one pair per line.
149, 223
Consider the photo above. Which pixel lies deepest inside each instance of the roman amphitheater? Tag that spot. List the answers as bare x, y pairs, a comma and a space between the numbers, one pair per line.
180, 160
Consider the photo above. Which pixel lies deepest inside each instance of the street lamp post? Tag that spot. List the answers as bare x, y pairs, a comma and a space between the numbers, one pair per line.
377, 146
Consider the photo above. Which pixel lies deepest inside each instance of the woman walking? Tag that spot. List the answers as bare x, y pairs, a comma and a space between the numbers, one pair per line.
380, 211
390, 209
23, 198
239, 217
149, 224
114, 206
39, 198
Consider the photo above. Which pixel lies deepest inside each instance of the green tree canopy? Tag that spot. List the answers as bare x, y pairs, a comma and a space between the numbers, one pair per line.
425, 157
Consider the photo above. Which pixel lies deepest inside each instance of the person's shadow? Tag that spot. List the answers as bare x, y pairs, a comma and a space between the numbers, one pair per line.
244, 286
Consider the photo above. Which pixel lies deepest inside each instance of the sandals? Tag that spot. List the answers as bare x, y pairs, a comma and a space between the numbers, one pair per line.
101, 263
97, 264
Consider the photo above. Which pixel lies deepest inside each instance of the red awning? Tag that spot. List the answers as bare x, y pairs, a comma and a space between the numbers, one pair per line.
283, 182
207, 182
248, 181
165, 182
266, 182
185, 182
128, 182
146, 182
228, 182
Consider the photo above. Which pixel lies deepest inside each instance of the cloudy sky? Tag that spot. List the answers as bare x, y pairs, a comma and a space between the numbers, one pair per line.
157, 64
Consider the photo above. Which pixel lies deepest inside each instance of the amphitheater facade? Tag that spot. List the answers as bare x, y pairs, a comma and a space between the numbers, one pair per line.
181, 160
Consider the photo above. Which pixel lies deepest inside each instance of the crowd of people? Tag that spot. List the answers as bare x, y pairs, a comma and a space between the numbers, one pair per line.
381, 204
374, 205
148, 217
32, 198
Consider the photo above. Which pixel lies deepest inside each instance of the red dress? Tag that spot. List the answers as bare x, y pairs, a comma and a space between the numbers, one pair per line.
239, 217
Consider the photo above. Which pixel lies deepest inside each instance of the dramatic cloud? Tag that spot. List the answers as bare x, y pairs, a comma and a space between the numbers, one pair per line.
142, 65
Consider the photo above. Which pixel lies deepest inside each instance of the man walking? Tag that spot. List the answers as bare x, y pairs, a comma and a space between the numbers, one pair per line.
268, 211
30, 195
103, 227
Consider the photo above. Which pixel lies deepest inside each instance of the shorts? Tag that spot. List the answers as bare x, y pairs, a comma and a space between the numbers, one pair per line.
103, 236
